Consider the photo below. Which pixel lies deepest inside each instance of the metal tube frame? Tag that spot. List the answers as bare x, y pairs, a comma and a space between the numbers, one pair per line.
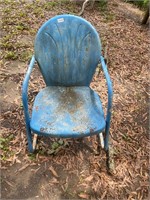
25, 104
109, 106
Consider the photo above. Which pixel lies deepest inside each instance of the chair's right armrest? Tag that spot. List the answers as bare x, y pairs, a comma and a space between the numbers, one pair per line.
110, 97
25, 90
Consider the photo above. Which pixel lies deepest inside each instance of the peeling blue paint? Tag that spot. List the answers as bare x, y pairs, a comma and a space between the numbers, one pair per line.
67, 112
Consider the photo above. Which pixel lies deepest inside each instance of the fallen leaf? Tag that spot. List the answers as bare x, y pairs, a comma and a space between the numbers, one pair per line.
53, 171
84, 195
89, 178
22, 168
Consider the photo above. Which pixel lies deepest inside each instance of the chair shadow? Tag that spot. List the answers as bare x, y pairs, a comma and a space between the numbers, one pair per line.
58, 146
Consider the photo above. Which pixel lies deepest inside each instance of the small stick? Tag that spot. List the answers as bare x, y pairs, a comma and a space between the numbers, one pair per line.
34, 141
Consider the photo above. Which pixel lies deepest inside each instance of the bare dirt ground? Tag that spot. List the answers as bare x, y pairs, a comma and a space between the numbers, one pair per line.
70, 169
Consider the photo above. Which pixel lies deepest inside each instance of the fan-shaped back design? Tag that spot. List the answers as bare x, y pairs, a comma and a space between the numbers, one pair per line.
67, 49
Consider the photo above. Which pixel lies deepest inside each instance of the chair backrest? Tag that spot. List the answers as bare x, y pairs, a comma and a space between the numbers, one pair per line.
67, 49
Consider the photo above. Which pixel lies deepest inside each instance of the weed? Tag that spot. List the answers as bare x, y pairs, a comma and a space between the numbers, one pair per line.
19, 45
32, 156
109, 17
32, 31
2, 142
4, 146
22, 14
10, 55
141, 4
103, 5
22, 27
49, 5
64, 1
6, 38
7, 10
125, 137
7, 45
25, 55
8, 1
37, 11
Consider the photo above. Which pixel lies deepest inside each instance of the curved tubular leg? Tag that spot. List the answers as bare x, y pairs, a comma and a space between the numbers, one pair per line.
109, 106
25, 104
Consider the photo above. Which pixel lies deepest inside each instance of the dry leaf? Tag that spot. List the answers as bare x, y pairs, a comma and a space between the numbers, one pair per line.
84, 196
53, 171
22, 168
88, 179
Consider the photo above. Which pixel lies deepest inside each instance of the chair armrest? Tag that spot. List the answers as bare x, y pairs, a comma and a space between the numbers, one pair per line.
25, 90
110, 94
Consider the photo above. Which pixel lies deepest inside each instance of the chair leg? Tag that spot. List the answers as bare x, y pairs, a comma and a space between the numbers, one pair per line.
98, 145
29, 138
106, 141
35, 136
100, 142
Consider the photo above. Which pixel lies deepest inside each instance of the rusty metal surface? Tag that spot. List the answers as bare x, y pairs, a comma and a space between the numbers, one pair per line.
67, 112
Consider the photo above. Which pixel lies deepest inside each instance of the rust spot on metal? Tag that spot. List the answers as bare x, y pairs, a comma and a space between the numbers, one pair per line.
91, 130
43, 129
70, 101
36, 108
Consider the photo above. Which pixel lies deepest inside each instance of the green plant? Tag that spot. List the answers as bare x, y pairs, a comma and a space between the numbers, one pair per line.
109, 17
22, 27
37, 11
22, 14
10, 55
32, 156
25, 55
4, 146
103, 5
140, 4
50, 5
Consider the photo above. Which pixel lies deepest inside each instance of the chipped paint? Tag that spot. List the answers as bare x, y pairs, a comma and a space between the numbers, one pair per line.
67, 112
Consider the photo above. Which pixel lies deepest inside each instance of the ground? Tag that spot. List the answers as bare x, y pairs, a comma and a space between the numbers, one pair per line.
71, 169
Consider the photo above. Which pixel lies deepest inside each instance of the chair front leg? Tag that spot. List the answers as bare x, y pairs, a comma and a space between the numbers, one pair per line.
29, 137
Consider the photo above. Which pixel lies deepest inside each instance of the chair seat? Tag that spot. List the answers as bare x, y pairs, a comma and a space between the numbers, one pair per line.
67, 112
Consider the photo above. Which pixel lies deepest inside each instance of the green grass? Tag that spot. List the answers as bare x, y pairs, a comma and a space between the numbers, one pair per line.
32, 156
17, 21
141, 3
21, 18
102, 5
109, 17
10, 55
50, 5
4, 146
25, 55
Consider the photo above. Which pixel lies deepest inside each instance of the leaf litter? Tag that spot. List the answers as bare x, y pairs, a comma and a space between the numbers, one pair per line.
70, 169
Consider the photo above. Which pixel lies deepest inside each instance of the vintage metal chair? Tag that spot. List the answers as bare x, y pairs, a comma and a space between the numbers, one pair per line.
67, 49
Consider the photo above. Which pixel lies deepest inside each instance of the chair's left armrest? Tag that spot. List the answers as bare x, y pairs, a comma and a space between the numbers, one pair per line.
110, 93
25, 90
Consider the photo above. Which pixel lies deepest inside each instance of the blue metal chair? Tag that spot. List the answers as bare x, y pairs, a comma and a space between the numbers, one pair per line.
67, 49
